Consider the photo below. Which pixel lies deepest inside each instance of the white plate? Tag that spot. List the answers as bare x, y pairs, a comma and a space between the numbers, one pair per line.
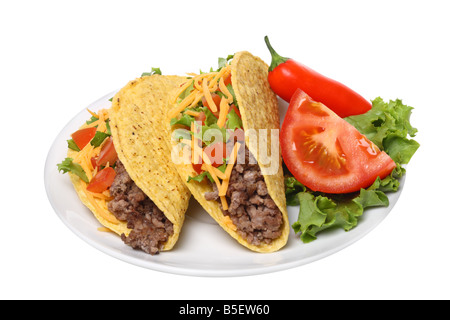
203, 248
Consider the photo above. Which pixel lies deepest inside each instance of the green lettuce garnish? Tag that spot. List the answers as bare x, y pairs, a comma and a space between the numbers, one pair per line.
72, 145
92, 119
212, 132
69, 166
154, 71
388, 126
210, 117
98, 139
185, 120
319, 211
233, 120
201, 177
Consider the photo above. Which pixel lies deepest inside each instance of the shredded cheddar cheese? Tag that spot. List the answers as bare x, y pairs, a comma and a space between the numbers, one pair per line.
182, 89
232, 160
101, 196
208, 97
224, 107
92, 113
224, 202
185, 103
202, 86
208, 166
227, 220
224, 187
101, 207
192, 113
218, 76
98, 200
92, 124
225, 91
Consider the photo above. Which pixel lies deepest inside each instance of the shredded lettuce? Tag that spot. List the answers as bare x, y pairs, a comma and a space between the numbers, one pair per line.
185, 120
223, 61
213, 132
233, 121
201, 177
186, 92
230, 88
179, 134
72, 145
210, 117
92, 119
388, 126
98, 139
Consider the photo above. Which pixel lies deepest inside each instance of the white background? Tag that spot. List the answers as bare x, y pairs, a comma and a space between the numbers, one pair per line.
56, 58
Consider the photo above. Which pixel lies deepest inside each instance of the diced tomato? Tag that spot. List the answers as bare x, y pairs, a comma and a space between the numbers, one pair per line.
102, 180
216, 98
198, 167
83, 136
326, 153
227, 80
107, 154
201, 117
216, 152
94, 162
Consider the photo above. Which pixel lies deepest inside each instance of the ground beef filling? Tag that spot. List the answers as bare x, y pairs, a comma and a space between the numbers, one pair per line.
252, 210
150, 227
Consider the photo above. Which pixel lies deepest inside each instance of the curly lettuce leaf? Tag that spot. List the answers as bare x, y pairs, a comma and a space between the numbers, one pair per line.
69, 166
292, 188
154, 71
319, 211
388, 126
72, 145
201, 177
184, 120
233, 121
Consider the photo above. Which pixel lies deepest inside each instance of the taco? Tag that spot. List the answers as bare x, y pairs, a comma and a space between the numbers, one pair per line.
214, 122
119, 164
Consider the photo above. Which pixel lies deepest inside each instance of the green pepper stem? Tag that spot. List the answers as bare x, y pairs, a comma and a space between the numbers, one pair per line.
276, 58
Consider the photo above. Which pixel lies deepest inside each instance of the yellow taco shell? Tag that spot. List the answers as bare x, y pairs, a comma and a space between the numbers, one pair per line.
136, 115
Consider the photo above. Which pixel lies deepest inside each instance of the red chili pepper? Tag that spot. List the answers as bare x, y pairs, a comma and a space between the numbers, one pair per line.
287, 75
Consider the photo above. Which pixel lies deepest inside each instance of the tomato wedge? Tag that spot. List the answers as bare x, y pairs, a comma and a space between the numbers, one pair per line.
102, 180
83, 136
326, 153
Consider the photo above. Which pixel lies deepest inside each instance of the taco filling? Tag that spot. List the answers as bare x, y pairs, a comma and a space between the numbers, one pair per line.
150, 228
251, 209
110, 190
207, 121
